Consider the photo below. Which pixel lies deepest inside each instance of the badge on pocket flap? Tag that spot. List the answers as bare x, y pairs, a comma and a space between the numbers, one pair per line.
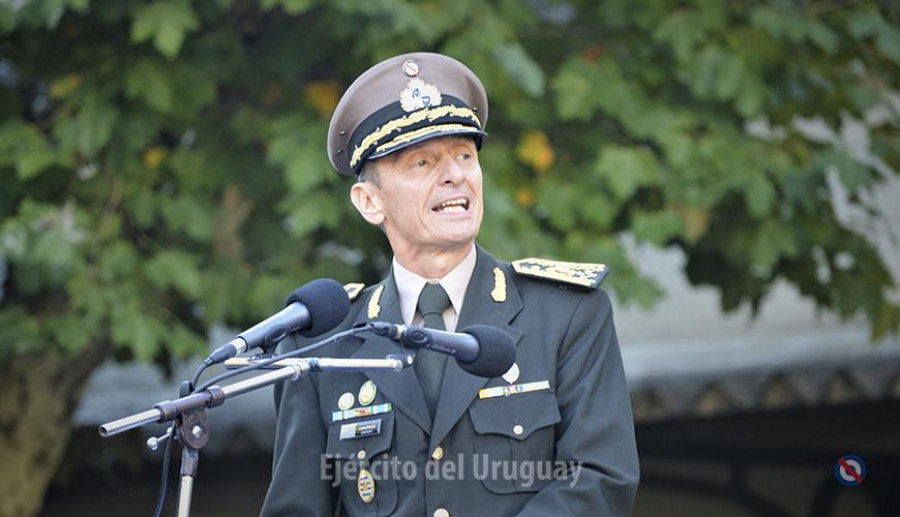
514, 389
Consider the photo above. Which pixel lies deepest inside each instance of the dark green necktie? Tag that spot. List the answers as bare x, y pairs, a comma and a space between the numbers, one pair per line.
429, 365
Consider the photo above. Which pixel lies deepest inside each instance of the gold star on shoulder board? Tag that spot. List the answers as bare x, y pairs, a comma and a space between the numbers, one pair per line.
583, 275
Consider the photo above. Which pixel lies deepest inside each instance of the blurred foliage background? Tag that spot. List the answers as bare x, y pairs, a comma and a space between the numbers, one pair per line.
163, 163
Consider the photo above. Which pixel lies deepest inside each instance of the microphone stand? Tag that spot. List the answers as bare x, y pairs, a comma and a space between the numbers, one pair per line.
190, 410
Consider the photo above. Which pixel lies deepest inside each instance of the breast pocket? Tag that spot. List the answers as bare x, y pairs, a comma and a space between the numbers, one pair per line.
360, 450
515, 440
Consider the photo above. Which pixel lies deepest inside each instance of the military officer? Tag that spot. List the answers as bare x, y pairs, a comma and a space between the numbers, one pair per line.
552, 436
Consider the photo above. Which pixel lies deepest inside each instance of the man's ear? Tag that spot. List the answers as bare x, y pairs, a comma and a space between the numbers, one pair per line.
366, 197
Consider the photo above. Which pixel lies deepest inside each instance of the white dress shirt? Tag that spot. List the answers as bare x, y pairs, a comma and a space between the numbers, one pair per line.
409, 286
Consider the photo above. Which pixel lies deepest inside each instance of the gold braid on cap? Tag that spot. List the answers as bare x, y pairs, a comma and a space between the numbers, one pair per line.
419, 133
430, 114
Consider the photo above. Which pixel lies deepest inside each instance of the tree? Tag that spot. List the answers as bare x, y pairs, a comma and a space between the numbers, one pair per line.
163, 163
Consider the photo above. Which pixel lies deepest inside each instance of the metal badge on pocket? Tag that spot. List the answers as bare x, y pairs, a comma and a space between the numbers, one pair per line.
365, 486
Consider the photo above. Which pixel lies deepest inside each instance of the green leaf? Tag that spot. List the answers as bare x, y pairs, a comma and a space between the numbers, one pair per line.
189, 214
148, 80
184, 343
521, 67
656, 227
557, 202
679, 30
290, 6
730, 77
760, 196
769, 243
864, 22
23, 146
312, 213
118, 261
90, 129
888, 42
824, 37
626, 169
34, 161
574, 89
174, 268
853, 174
21, 332
167, 22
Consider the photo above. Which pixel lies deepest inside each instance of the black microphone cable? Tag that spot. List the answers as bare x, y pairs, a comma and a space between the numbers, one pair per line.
164, 483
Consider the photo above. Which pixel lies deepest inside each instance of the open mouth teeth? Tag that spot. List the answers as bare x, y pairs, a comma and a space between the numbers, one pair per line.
453, 205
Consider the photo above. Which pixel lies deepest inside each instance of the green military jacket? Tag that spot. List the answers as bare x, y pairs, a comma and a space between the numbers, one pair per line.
552, 437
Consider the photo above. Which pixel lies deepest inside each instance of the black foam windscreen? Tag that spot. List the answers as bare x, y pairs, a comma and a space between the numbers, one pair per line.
496, 351
327, 303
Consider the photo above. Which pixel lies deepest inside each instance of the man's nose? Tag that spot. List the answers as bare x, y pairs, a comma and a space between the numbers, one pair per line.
451, 172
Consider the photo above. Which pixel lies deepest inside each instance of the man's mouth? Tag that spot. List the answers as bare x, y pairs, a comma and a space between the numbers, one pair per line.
459, 204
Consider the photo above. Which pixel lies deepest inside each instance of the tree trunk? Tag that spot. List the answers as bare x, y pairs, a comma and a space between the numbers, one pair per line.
38, 394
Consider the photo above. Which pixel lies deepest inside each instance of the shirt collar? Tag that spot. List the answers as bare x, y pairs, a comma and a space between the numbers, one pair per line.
409, 285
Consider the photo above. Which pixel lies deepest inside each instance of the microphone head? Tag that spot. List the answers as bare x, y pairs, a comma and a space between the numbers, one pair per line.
327, 303
496, 351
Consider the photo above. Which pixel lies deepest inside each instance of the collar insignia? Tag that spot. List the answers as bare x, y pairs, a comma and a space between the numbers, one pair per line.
499, 292
374, 308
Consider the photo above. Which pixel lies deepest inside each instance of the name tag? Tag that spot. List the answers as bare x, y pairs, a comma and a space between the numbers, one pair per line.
514, 389
360, 429
337, 416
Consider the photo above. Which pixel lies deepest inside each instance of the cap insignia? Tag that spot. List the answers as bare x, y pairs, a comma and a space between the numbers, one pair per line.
583, 275
418, 95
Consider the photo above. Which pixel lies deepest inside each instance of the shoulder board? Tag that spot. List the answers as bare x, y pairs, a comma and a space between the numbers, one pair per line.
583, 275
353, 290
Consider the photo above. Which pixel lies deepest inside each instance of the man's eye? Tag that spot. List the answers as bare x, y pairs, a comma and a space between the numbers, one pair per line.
422, 163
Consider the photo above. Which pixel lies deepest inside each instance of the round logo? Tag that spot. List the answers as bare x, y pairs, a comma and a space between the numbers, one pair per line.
850, 470
346, 401
367, 393
365, 486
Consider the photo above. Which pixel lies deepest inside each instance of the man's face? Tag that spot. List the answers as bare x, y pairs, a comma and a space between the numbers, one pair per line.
430, 195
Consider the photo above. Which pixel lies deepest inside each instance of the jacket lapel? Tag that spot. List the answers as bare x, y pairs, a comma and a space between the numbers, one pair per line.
459, 388
402, 388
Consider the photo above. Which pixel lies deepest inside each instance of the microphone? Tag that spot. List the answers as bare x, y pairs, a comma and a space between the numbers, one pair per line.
480, 349
312, 309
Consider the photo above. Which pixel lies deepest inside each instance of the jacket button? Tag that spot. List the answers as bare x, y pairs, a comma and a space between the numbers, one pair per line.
438, 453
518, 429
361, 455
440, 512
